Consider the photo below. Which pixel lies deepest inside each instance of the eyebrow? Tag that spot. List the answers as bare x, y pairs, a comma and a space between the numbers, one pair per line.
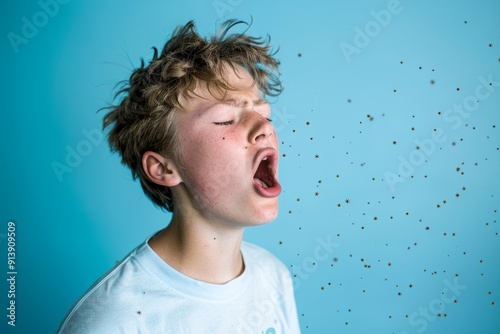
234, 103
242, 102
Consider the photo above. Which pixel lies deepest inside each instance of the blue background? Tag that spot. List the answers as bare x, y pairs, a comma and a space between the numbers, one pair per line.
348, 122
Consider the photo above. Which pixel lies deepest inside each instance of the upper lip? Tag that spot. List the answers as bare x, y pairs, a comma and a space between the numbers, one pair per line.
272, 155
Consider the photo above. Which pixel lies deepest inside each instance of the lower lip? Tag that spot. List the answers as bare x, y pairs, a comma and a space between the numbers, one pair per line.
270, 192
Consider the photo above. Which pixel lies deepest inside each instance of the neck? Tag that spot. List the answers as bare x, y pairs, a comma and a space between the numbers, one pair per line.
199, 249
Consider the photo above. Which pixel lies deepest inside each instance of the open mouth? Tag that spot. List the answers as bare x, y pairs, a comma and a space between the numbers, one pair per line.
264, 175
265, 181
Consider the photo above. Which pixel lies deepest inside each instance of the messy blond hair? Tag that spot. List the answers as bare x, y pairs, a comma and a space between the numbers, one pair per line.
143, 120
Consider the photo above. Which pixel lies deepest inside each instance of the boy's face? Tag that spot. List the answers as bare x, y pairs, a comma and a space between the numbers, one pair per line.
229, 153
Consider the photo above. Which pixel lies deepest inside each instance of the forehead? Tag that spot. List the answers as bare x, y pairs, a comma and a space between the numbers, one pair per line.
245, 91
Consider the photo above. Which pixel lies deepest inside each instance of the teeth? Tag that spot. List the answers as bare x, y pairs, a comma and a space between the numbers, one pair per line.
265, 158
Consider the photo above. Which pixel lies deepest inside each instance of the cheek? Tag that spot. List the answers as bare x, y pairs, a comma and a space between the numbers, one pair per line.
211, 168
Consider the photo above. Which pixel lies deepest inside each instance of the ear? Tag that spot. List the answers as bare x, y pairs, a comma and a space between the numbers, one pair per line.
160, 170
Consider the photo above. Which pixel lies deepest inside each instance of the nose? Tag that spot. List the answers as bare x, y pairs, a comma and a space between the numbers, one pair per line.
260, 128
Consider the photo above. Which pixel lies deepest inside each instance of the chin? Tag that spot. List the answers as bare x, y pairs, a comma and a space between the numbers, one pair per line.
266, 215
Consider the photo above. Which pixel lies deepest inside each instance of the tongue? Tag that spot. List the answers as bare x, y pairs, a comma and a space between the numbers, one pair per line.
259, 181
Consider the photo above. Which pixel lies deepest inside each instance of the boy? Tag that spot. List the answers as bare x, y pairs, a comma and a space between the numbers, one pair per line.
194, 128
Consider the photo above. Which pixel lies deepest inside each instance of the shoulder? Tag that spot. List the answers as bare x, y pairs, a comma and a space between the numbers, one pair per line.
257, 252
261, 258
107, 303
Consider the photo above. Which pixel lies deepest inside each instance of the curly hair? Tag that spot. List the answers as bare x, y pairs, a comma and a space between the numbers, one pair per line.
144, 119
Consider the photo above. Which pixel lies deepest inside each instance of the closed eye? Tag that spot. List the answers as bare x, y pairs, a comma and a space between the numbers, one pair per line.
224, 123
269, 120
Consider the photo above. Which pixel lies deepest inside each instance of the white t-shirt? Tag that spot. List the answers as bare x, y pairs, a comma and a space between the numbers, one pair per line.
143, 294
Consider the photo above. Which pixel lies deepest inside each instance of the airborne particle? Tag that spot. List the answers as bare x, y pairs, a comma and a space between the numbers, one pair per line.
432, 82
299, 55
